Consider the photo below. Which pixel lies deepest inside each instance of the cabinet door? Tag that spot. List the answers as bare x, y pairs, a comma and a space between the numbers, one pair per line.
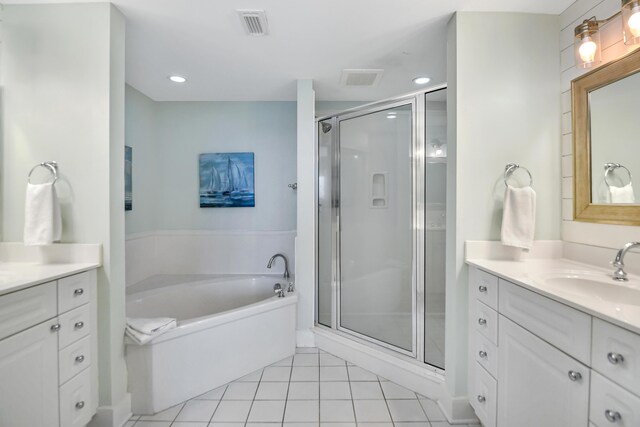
29, 378
538, 385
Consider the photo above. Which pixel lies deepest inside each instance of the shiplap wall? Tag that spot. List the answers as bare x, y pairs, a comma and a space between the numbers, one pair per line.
613, 47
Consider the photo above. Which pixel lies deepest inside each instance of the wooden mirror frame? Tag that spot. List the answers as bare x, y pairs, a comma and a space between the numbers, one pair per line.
583, 209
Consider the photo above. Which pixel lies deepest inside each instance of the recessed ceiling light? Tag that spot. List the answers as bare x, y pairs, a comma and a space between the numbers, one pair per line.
421, 80
391, 116
178, 79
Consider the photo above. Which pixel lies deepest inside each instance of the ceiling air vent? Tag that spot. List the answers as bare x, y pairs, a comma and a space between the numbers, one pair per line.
361, 77
254, 22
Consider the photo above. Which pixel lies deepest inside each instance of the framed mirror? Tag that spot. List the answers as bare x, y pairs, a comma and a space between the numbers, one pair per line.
606, 143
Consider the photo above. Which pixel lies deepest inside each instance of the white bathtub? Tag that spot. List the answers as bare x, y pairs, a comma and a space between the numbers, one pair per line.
228, 327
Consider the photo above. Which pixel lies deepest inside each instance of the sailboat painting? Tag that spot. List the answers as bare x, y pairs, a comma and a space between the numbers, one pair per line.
128, 183
226, 180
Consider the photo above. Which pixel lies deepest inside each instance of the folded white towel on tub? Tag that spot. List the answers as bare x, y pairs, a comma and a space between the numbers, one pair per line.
143, 330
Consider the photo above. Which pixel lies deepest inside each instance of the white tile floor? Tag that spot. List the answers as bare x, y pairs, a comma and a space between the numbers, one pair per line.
311, 389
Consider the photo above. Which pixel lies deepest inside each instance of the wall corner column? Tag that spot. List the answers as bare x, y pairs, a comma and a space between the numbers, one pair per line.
305, 243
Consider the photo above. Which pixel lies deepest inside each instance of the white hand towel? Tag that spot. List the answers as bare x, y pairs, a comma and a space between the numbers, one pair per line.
42, 222
143, 330
622, 195
519, 217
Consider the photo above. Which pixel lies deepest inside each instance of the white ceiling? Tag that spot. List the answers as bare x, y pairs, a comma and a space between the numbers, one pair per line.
204, 41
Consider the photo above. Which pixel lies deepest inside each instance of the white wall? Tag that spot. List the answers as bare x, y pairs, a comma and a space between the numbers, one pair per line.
306, 212
167, 138
140, 134
603, 235
497, 114
63, 100
166, 144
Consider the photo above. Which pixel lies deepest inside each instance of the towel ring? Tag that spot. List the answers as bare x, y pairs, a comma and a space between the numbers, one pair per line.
511, 168
611, 168
51, 165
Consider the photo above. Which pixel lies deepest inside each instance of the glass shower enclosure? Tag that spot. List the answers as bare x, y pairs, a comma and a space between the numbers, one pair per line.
381, 200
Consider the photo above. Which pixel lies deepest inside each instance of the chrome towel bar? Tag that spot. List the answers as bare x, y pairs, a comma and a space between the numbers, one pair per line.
51, 165
511, 168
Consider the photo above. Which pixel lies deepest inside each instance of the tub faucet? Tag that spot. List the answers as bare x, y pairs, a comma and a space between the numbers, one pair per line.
621, 275
286, 264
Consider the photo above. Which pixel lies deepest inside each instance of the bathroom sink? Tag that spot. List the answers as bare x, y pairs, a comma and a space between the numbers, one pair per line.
592, 285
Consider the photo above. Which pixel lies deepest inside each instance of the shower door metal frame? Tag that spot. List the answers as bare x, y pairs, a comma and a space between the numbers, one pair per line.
418, 221
334, 191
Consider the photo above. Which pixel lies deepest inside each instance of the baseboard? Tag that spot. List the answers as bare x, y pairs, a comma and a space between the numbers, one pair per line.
409, 374
305, 338
457, 409
113, 416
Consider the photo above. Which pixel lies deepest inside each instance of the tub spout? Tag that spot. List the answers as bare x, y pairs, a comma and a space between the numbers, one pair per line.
286, 264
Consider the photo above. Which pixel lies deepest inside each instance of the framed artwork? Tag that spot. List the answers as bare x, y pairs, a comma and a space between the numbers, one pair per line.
226, 180
128, 183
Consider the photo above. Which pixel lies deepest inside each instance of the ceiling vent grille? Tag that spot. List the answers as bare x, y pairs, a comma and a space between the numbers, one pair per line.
254, 22
361, 77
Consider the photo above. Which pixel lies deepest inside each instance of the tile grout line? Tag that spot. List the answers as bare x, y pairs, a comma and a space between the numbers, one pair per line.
353, 404
286, 397
393, 422
226, 387
254, 398
319, 388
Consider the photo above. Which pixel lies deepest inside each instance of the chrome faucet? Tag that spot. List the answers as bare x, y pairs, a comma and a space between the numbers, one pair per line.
620, 275
286, 264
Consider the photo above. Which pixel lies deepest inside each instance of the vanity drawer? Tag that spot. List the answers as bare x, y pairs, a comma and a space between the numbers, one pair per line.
612, 405
485, 320
23, 309
562, 326
484, 396
74, 359
74, 291
609, 343
76, 405
74, 325
486, 354
484, 287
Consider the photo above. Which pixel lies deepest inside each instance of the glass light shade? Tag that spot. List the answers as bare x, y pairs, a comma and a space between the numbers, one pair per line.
631, 21
587, 45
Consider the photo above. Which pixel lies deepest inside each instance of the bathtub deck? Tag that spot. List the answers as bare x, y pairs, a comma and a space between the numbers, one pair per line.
313, 388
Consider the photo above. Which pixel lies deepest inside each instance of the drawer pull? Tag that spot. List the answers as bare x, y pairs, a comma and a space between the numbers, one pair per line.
482, 288
482, 321
78, 292
482, 354
481, 399
80, 405
575, 376
56, 327
80, 359
612, 416
79, 325
615, 358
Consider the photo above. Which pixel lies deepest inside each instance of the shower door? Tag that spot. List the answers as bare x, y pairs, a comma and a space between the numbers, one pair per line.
377, 280
382, 195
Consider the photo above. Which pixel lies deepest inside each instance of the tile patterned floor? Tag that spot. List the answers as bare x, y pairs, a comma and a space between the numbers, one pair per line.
310, 389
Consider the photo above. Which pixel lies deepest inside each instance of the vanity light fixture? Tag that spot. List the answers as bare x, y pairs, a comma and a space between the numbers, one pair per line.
587, 35
178, 79
421, 80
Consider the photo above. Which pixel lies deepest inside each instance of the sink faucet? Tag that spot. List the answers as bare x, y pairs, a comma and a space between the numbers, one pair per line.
620, 275
286, 264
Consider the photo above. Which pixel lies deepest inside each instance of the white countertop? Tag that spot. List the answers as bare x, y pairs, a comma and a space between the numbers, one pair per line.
530, 275
20, 275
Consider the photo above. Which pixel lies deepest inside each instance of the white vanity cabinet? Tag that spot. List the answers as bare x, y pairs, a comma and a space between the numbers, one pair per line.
48, 345
550, 365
